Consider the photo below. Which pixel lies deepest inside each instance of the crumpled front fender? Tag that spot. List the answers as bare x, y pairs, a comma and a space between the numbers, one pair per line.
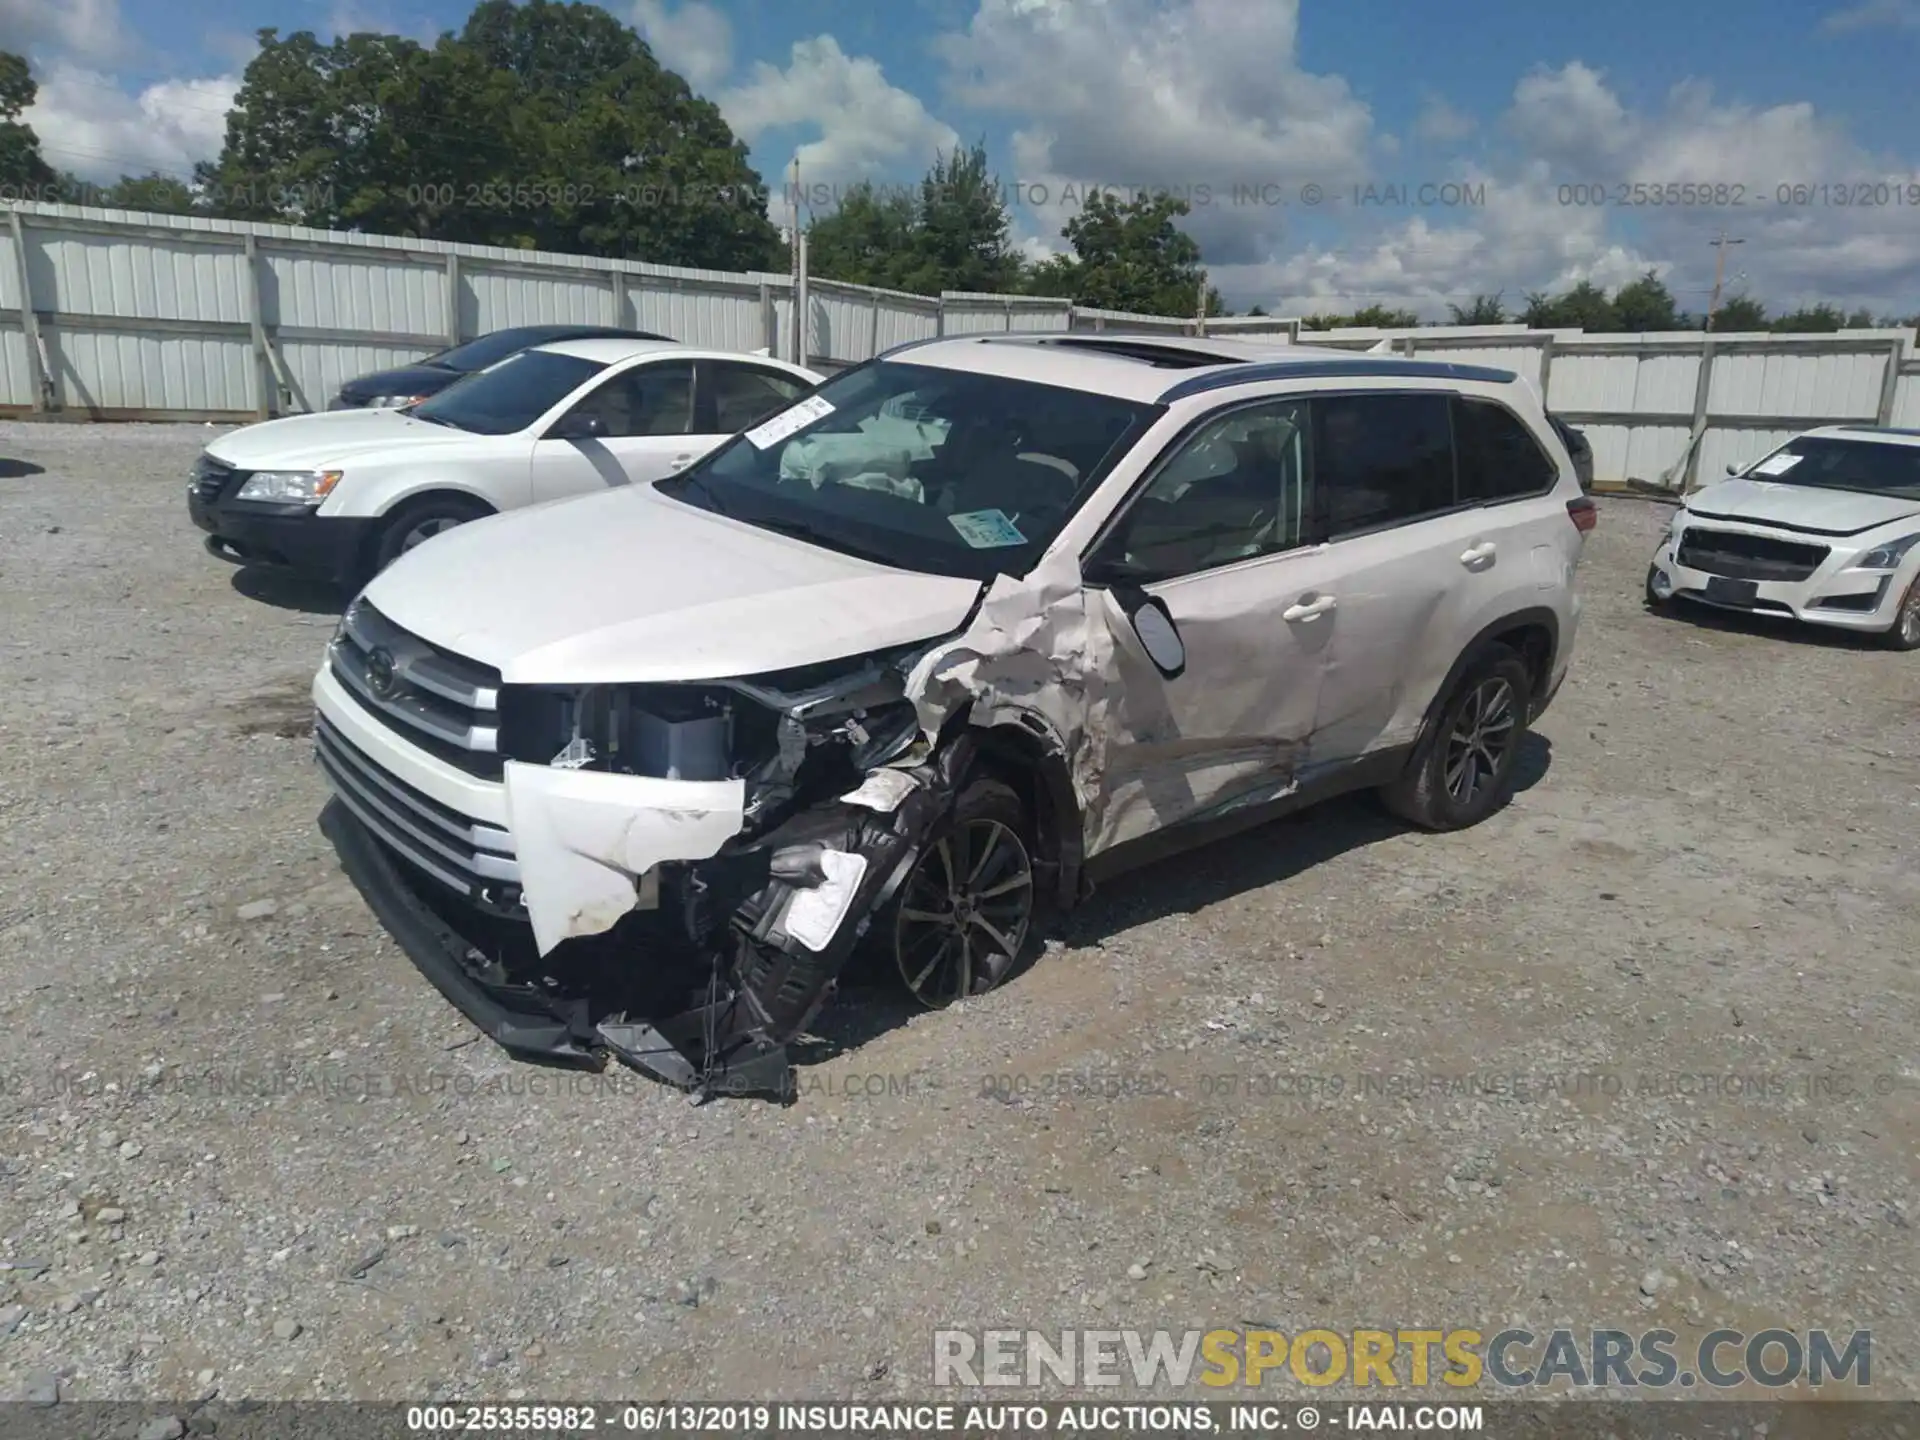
584, 838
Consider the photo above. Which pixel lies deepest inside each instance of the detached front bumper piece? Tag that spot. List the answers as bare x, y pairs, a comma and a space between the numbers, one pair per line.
705, 985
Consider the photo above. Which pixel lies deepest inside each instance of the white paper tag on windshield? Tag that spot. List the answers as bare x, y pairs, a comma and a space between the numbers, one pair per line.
1777, 464
815, 916
987, 529
797, 417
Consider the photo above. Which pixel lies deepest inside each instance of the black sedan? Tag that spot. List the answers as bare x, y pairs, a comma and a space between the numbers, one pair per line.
404, 385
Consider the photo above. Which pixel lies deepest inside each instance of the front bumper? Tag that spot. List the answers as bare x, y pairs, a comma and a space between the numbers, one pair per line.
1868, 600
327, 547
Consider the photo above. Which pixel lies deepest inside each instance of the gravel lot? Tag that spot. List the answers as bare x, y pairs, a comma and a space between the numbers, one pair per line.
245, 1149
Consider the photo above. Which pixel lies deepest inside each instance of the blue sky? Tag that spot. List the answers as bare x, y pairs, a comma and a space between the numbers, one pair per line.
1368, 101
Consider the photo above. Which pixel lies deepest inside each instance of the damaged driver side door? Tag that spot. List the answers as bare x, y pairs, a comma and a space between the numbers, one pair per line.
1221, 537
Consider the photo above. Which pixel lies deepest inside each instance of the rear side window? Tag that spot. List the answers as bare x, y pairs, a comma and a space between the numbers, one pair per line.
1380, 460
1499, 458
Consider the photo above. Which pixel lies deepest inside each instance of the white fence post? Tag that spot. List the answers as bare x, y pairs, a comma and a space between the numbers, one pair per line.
452, 300
45, 397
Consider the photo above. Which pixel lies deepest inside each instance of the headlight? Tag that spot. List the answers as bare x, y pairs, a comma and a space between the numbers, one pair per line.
1887, 556
289, 487
392, 402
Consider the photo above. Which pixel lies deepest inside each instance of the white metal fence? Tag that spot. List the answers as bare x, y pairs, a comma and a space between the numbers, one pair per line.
111, 314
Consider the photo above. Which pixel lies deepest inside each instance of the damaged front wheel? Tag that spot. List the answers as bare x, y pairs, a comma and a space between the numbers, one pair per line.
962, 917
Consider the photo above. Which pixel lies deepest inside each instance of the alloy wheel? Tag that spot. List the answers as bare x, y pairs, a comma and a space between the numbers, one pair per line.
964, 912
426, 530
1482, 734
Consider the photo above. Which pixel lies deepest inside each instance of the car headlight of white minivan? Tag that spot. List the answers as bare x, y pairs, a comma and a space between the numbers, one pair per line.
289, 487
1889, 555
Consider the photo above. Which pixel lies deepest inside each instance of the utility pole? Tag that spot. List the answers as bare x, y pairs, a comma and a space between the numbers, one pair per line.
1200, 306
1720, 244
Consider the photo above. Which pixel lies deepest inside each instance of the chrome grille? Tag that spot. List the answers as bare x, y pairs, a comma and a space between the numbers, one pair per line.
442, 702
475, 859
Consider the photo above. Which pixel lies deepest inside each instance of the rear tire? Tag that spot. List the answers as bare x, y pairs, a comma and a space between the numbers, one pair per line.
963, 915
1905, 631
1462, 769
419, 521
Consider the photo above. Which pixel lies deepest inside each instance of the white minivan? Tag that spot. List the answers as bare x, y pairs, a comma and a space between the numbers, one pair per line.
918, 658
340, 495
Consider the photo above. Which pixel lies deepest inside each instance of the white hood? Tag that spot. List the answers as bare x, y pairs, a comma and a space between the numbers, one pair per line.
629, 586
1804, 507
305, 442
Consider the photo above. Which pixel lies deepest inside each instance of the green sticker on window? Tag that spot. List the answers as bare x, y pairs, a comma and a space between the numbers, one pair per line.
987, 529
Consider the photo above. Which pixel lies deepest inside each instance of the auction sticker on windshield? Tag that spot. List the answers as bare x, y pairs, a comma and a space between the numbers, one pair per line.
798, 417
986, 529
1778, 464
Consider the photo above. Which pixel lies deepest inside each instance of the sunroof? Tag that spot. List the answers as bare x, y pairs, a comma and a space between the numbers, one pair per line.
1161, 357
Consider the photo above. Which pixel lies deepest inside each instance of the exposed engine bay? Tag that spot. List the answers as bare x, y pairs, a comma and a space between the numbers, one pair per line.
823, 790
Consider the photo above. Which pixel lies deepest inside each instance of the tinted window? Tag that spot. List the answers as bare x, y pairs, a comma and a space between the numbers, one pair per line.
1240, 487
479, 353
744, 395
1499, 458
646, 400
1380, 460
511, 395
1825, 461
928, 469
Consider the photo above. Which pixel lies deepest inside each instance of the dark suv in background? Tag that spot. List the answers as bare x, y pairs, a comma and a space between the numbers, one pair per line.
384, 389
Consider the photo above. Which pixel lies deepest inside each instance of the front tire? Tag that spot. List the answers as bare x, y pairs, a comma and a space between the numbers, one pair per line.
964, 912
1462, 769
416, 523
1905, 631
1653, 599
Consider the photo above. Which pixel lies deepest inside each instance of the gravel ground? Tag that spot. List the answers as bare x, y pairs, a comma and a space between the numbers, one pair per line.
1374, 1077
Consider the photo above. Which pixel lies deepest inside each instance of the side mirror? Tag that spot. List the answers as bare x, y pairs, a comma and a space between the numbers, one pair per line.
1153, 623
1732, 469
578, 425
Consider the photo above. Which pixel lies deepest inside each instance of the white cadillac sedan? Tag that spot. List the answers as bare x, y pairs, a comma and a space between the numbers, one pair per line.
341, 495
1826, 529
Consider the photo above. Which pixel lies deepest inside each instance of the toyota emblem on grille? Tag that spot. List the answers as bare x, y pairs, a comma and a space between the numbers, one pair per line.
380, 672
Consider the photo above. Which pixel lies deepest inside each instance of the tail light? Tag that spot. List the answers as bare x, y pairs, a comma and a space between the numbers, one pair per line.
1584, 513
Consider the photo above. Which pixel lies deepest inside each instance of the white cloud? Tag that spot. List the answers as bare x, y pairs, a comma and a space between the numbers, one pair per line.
1874, 15
349, 17
1569, 139
1440, 124
1193, 96
696, 40
867, 127
88, 30
91, 126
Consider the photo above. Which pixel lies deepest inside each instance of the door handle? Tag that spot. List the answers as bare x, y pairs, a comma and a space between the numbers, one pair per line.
1308, 609
680, 462
1479, 554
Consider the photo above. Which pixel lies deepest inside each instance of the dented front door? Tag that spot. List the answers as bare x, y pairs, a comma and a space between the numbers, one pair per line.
1234, 726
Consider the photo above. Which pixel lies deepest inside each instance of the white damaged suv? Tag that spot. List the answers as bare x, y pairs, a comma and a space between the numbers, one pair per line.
1825, 529
918, 659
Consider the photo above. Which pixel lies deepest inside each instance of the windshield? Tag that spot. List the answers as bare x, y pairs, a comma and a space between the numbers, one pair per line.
925, 469
1826, 462
479, 354
511, 395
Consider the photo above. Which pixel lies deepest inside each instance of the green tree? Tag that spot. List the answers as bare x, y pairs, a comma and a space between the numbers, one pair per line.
154, 192
21, 162
1368, 317
1646, 305
1584, 307
1812, 320
1741, 313
867, 239
1481, 310
541, 125
1128, 256
960, 238
1256, 310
